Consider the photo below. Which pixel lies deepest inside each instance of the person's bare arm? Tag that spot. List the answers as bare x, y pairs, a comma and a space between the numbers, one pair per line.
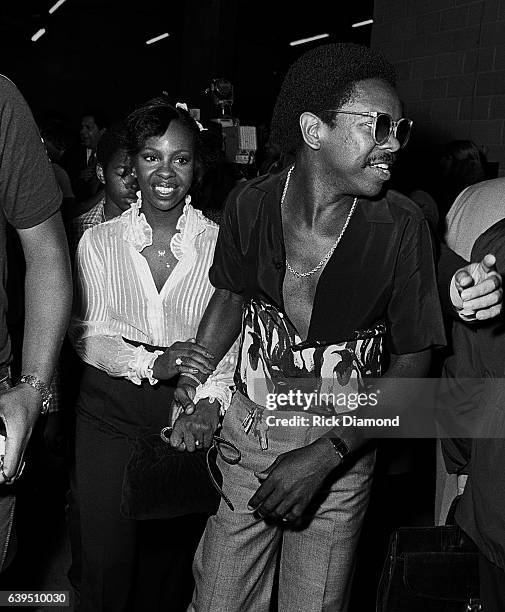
220, 324
47, 309
218, 330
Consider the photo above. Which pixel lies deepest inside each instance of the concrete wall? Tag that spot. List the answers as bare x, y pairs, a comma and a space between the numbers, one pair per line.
450, 57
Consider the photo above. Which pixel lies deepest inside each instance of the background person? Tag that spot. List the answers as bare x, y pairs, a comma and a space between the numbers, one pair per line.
474, 211
461, 164
114, 171
56, 137
80, 161
474, 385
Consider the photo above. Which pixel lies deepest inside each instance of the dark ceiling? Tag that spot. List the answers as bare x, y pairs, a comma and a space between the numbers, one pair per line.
94, 53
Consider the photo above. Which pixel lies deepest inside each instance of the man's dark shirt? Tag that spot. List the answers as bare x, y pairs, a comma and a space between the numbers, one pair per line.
382, 270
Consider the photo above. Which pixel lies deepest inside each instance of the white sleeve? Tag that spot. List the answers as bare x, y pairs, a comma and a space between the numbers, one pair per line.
90, 331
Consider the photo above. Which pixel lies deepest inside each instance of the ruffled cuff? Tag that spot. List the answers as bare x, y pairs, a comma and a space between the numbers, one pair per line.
141, 365
212, 390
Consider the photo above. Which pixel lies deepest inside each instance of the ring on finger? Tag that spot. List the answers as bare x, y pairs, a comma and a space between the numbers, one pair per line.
197, 442
178, 361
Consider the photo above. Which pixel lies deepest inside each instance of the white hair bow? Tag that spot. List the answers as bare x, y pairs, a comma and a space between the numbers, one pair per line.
184, 106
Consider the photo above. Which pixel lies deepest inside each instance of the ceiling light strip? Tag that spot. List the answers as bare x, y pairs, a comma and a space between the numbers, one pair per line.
362, 23
302, 41
38, 34
56, 6
157, 38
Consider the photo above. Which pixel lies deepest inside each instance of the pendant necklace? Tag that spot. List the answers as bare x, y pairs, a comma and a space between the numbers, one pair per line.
162, 253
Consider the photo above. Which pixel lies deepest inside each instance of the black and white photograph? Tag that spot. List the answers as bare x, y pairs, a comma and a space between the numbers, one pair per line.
252, 346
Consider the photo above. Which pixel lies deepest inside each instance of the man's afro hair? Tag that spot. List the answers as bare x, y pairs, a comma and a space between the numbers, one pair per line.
321, 79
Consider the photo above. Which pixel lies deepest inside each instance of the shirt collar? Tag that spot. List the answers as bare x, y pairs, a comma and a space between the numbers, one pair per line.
374, 210
96, 214
138, 232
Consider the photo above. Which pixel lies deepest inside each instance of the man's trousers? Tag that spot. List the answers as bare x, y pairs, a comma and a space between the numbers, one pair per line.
236, 560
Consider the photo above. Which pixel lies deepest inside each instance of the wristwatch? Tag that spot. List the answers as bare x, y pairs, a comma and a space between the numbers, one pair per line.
41, 387
340, 447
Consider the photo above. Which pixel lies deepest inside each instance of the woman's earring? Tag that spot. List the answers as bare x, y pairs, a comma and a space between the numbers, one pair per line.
138, 204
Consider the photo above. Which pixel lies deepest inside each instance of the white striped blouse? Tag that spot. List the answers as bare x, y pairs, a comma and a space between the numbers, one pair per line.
116, 297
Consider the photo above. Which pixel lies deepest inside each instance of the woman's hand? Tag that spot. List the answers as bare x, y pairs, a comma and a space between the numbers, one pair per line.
181, 358
195, 431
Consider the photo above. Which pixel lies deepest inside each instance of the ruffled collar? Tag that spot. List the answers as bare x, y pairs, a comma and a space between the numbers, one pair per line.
138, 232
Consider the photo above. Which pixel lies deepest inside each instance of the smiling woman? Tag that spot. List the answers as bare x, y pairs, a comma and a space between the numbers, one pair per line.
141, 286
164, 168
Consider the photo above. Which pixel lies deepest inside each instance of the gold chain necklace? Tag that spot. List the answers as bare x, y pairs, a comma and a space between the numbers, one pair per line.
332, 250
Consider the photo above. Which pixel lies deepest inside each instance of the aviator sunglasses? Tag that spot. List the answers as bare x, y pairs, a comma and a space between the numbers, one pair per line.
383, 126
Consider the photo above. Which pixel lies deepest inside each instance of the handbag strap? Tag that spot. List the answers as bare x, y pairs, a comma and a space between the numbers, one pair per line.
217, 443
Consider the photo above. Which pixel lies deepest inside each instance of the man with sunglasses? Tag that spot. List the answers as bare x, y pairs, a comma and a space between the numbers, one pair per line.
314, 266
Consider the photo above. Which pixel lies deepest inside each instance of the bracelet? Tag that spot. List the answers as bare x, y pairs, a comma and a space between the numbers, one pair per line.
341, 448
41, 387
192, 376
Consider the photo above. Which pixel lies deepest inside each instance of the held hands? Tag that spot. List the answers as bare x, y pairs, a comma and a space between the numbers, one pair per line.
196, 430
183, 357
292, 481
184, 394
185, 391
19, 410
480, 290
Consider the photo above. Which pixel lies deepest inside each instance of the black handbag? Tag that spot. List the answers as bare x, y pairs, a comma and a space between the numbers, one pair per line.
161, 482
432, 569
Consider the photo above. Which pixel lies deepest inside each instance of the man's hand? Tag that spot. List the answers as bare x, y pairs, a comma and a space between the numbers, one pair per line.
183, 396
183, 399
479, 288
183, 357
196, 430
19, 410
292, 481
